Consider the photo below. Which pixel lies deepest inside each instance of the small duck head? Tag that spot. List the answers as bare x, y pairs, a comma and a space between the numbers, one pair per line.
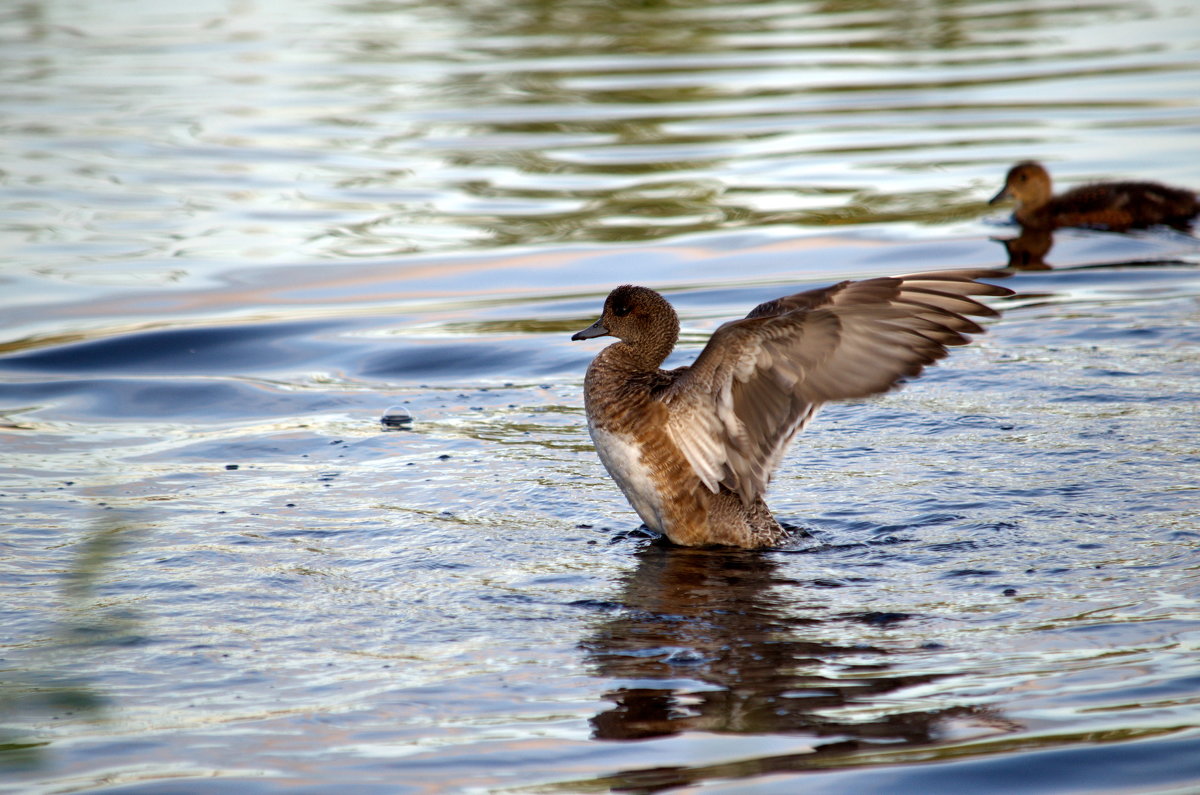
639, 317
1028, 183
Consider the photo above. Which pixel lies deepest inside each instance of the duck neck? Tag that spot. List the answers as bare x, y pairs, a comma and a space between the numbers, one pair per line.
654, 349
648, 352
1036, 198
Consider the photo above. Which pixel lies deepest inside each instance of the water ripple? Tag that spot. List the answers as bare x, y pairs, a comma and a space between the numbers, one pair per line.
231, 238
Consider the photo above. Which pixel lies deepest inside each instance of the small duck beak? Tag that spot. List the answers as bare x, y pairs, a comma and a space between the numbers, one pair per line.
1002, 195
597, 329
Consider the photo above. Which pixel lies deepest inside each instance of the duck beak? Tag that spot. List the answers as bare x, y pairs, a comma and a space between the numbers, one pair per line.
597, 329
1003, 194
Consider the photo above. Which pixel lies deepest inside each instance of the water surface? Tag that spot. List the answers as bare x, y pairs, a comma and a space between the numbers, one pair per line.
233, 235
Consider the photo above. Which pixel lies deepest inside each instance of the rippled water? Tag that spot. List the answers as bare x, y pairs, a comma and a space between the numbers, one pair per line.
233, 234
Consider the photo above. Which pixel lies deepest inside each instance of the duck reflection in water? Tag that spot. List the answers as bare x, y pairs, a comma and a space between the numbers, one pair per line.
731, 656
1027, 251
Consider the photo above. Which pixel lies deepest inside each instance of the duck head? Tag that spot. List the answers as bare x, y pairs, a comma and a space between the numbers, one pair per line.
639, 317
1028, 183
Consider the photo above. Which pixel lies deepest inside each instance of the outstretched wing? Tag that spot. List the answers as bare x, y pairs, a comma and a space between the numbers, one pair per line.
760, 379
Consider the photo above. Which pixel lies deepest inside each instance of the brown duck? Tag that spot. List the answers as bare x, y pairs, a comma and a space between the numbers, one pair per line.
1117, 206
694, 448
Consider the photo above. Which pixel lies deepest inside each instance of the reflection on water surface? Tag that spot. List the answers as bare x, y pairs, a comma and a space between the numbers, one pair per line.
709, 618
170, 142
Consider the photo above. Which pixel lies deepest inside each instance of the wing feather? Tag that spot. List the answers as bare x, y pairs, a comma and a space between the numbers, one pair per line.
761, 379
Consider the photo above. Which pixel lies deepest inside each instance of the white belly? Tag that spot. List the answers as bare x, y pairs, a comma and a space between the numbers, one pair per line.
623, 461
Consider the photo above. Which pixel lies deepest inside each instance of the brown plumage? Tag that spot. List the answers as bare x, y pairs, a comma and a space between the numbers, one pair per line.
1118, 206
693, 448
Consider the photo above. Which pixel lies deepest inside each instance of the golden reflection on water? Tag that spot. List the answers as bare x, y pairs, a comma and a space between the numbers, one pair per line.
666, 82
403, 127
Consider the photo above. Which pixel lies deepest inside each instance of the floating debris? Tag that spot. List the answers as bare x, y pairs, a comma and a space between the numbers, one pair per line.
397, 417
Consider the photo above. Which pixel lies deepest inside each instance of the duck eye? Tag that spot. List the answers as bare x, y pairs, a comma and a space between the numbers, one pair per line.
621, 310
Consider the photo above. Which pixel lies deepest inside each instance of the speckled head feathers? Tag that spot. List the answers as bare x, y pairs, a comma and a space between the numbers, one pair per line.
635, 315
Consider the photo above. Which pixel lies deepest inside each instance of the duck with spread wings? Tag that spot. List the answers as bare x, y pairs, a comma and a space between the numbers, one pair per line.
693, 449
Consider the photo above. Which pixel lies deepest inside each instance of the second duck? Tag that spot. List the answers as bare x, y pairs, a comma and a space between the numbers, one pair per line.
1118, 206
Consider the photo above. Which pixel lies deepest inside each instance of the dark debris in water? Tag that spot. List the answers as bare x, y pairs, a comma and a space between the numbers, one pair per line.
599, 605
880, 619
397, 418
